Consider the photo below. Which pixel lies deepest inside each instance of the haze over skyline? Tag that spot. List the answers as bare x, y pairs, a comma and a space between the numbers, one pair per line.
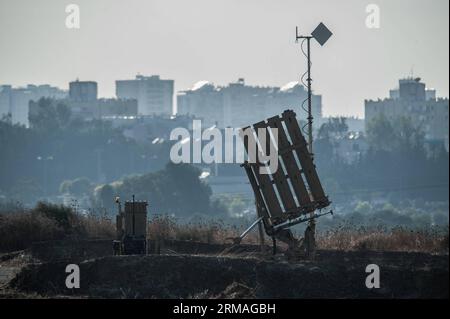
223, 40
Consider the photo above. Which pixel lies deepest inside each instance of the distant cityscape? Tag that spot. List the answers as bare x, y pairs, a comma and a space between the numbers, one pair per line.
149, 100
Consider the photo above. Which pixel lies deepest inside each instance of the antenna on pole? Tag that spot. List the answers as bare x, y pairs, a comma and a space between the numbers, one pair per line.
321, 33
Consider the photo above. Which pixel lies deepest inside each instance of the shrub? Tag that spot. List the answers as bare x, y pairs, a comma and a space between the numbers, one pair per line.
62, 215
19, 231
20, 228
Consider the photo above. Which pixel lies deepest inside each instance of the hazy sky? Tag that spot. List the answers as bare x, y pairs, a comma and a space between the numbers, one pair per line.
222, 40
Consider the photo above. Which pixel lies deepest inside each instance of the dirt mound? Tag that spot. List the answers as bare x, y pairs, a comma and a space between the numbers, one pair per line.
333, 275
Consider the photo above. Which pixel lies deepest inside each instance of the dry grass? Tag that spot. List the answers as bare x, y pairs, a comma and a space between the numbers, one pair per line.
164, 227
348, 237
19, 229
97, 227
377, 238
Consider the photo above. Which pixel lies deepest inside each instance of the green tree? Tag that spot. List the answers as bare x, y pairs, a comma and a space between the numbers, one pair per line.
381, 134
336, 126
106, 197
78, 187
409, 137
176, 189
48, 115
399, 134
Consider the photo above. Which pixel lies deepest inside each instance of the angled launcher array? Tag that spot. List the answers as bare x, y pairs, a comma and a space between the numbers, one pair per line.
292, 193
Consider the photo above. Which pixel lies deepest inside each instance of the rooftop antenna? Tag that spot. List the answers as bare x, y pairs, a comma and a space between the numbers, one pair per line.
321, 33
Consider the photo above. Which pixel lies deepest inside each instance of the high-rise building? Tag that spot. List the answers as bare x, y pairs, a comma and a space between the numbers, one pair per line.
84, 103
154, 95
411, 89
5, 99
15, 101
204, 101
83, 91
294, 96
413, 100
238, 104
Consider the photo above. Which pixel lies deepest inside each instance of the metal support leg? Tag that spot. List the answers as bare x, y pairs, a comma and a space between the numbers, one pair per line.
310, 240
261, 236
274, 246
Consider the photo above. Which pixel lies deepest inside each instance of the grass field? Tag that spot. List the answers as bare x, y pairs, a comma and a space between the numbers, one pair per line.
18, 230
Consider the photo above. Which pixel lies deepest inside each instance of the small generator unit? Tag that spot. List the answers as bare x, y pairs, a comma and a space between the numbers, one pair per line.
131, 228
